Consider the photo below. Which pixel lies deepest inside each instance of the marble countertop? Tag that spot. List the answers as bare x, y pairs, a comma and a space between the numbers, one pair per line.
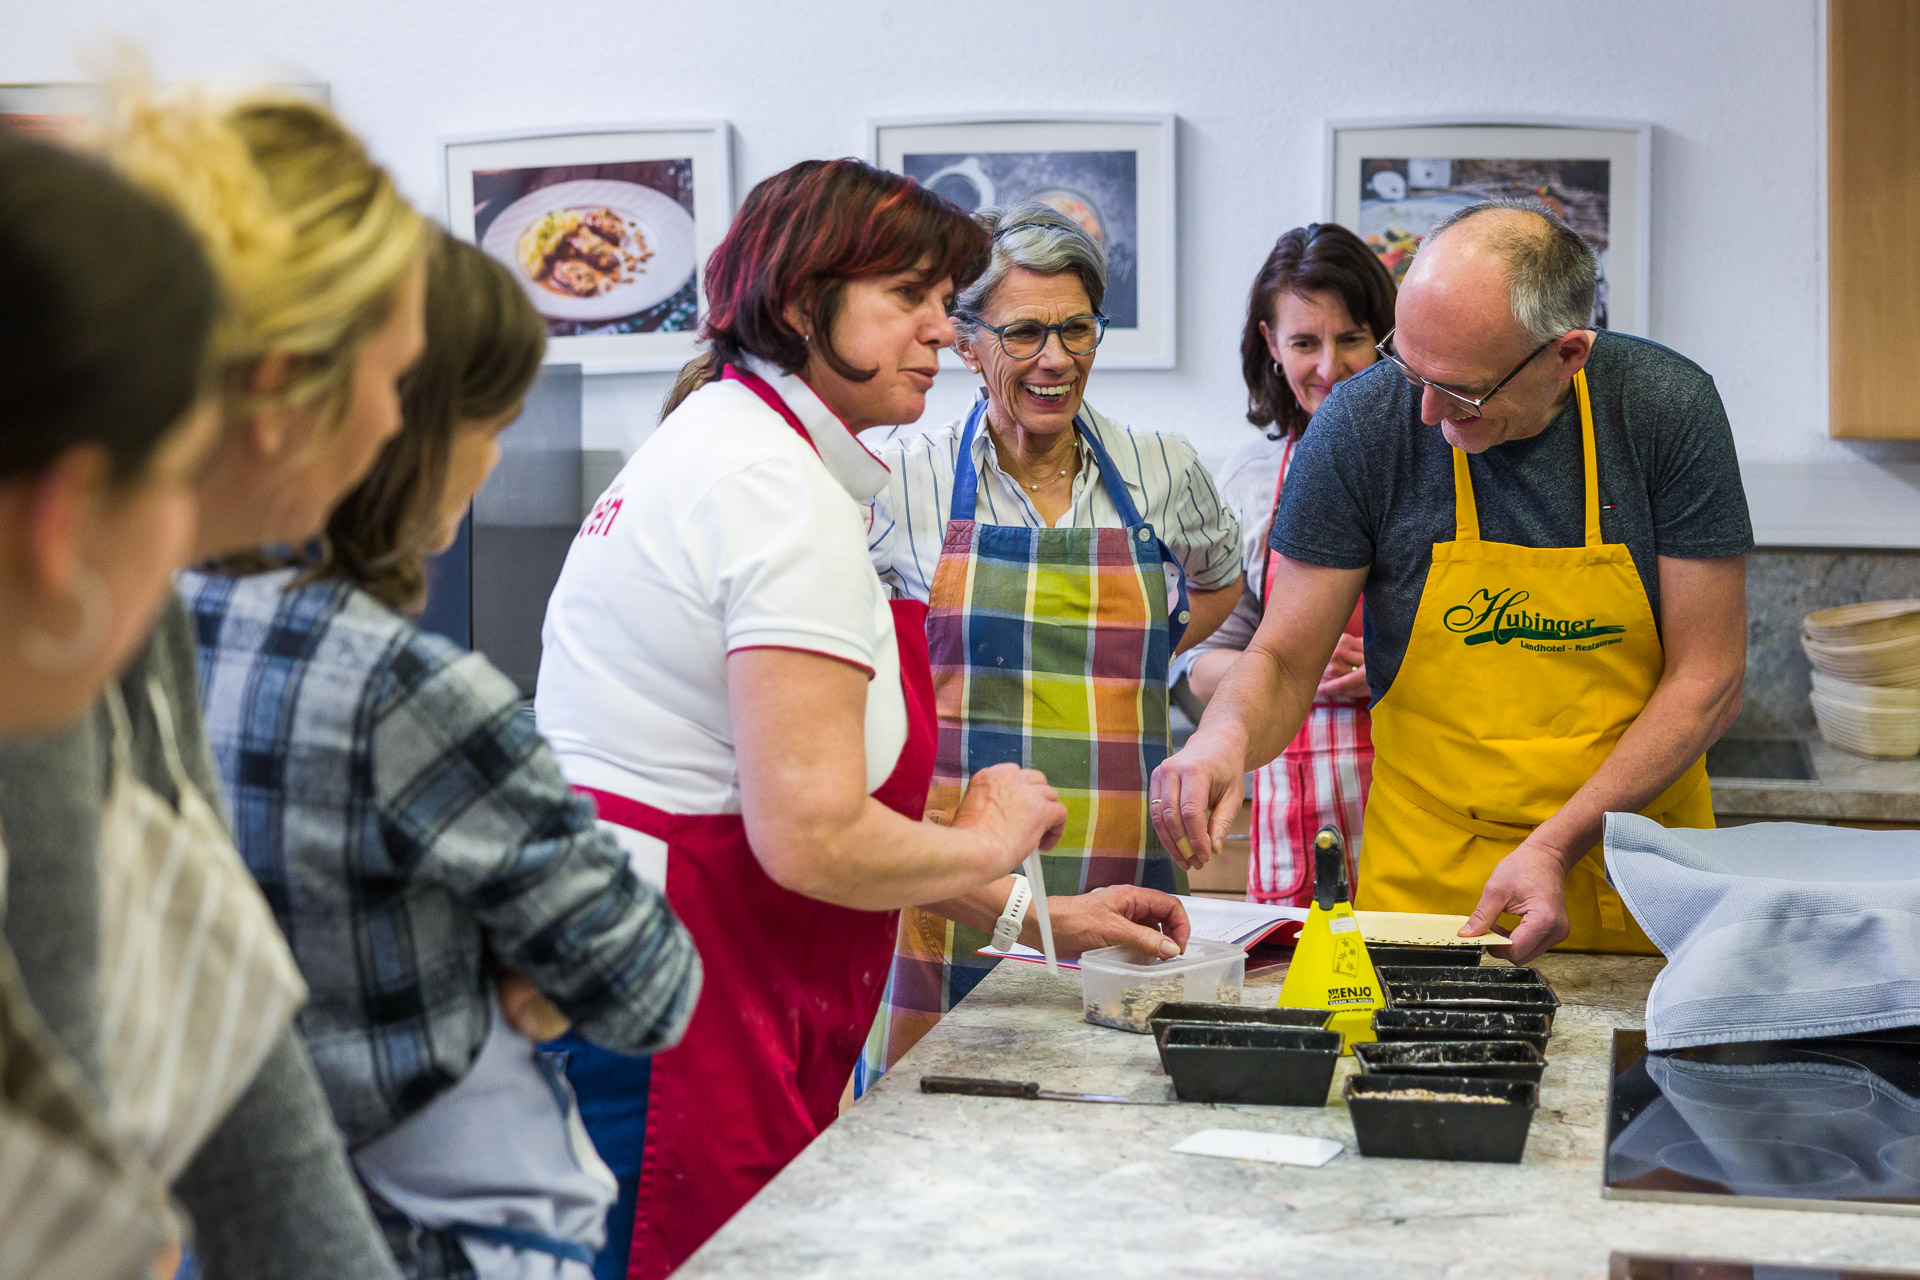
932, 1186
1844, 786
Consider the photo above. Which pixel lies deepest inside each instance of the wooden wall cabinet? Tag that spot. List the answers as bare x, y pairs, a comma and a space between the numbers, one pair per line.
1873, 218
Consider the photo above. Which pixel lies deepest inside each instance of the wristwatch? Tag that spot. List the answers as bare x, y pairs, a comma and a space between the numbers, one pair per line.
1006, 930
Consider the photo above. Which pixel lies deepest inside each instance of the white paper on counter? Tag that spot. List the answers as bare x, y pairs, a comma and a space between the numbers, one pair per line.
1216, 919
1250, 1144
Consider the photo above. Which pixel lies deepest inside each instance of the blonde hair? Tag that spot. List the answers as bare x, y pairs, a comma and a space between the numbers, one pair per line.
310, 238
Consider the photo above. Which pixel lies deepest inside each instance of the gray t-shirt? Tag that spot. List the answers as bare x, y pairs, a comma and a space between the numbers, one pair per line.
1372, 485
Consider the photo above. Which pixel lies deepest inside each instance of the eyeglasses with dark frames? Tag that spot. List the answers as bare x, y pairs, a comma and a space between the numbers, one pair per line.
1025, 339
1386, 352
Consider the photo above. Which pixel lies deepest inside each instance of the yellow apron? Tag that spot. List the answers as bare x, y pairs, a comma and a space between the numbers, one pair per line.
1524, 667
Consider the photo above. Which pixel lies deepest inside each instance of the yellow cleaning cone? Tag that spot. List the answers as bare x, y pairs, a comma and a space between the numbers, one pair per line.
1331, 968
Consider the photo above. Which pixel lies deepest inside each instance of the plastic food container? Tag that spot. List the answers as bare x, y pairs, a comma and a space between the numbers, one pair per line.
1441, 1117
1122, 987
1481, 1059
1415, 1024
1395, 953
1239, 1062
1516, 997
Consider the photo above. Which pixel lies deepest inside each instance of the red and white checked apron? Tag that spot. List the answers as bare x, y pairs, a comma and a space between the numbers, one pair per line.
1321, 778
792, 985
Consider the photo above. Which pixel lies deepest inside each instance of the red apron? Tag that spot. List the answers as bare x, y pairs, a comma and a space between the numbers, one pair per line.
792, 985
1321, 777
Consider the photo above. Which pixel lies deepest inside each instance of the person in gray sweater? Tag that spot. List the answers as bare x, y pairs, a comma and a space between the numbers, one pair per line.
271, 1193
104, 425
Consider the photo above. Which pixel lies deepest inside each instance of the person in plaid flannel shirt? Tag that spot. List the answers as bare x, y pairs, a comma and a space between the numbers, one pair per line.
408, 825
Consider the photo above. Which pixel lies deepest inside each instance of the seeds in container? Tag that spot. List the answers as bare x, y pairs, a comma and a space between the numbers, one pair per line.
1130, 1010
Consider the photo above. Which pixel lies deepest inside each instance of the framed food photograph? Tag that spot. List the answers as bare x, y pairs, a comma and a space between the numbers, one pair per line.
1113, 174
62, 112
605, 228
1392, 181
53, 112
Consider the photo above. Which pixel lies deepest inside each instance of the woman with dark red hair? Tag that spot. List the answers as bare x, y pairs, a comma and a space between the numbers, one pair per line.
724, 673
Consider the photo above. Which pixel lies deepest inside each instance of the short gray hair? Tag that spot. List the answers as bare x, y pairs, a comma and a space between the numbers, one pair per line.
1039, 238
1553, 275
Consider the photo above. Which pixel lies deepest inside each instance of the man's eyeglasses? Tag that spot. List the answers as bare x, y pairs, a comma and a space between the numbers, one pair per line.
1385, 349
1025, 339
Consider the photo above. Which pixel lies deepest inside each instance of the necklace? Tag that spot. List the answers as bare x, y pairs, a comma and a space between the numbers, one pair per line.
1008, 465
1035, 488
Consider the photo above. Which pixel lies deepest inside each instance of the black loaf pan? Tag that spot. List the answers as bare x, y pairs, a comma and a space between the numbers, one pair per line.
1407, 954
1412, 1024
1239, 1014
1436, 1129
1493, 974
1480, 1059
1276, 1066
1514, 997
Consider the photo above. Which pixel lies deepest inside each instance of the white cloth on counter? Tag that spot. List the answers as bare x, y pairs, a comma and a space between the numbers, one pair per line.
1774, 931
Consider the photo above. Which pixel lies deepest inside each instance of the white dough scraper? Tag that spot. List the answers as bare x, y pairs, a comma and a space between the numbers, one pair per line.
1037, 882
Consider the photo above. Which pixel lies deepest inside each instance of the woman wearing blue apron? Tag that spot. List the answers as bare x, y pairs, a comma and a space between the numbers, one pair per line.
1043, 537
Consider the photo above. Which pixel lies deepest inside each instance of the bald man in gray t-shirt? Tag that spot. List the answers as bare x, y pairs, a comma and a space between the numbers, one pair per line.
1527, 679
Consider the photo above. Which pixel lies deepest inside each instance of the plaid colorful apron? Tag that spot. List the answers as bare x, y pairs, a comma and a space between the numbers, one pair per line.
1049, 650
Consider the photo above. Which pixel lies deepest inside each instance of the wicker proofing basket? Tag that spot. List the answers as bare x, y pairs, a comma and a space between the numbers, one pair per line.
1864, 623
1868, 695
1893, 662
1888, 732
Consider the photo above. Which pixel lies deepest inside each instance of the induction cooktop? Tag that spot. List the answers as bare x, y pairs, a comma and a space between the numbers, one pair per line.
1799, 1124
1624, 1266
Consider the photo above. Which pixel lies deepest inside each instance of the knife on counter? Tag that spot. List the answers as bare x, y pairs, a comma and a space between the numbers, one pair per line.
1027, 1090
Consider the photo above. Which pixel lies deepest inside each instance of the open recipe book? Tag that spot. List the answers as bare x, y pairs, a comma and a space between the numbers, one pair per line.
1217, 919
1246, 923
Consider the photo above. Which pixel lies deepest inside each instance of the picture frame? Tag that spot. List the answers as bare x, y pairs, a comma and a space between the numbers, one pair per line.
50, 112
607, 228
1389, 180
1114, 173
59, 111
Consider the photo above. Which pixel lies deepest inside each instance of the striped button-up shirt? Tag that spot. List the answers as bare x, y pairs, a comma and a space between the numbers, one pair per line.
1169, 485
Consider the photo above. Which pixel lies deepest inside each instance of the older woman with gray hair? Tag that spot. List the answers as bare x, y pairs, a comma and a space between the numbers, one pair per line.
1065, 558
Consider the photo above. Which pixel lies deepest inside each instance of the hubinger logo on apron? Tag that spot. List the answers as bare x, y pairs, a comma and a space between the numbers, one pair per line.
1477, 746
1495, 616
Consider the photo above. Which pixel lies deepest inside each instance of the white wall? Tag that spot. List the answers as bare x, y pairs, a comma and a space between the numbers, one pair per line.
1734, 86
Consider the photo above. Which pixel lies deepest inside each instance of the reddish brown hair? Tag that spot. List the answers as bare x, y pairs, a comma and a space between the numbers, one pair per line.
1321, 257
797, 240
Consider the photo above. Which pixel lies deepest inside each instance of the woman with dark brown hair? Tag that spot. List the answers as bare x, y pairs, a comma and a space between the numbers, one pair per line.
723, 672
1319, 304
448, 897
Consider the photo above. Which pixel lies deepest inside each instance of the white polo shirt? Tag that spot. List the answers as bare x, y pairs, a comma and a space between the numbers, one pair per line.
726, 530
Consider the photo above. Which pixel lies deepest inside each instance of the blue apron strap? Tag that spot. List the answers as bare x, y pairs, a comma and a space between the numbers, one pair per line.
1117, 491
1122, 500
508, 1237
529, 1241
966, 479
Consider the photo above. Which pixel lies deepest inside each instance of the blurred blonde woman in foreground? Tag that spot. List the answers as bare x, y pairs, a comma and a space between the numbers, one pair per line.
321, 264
